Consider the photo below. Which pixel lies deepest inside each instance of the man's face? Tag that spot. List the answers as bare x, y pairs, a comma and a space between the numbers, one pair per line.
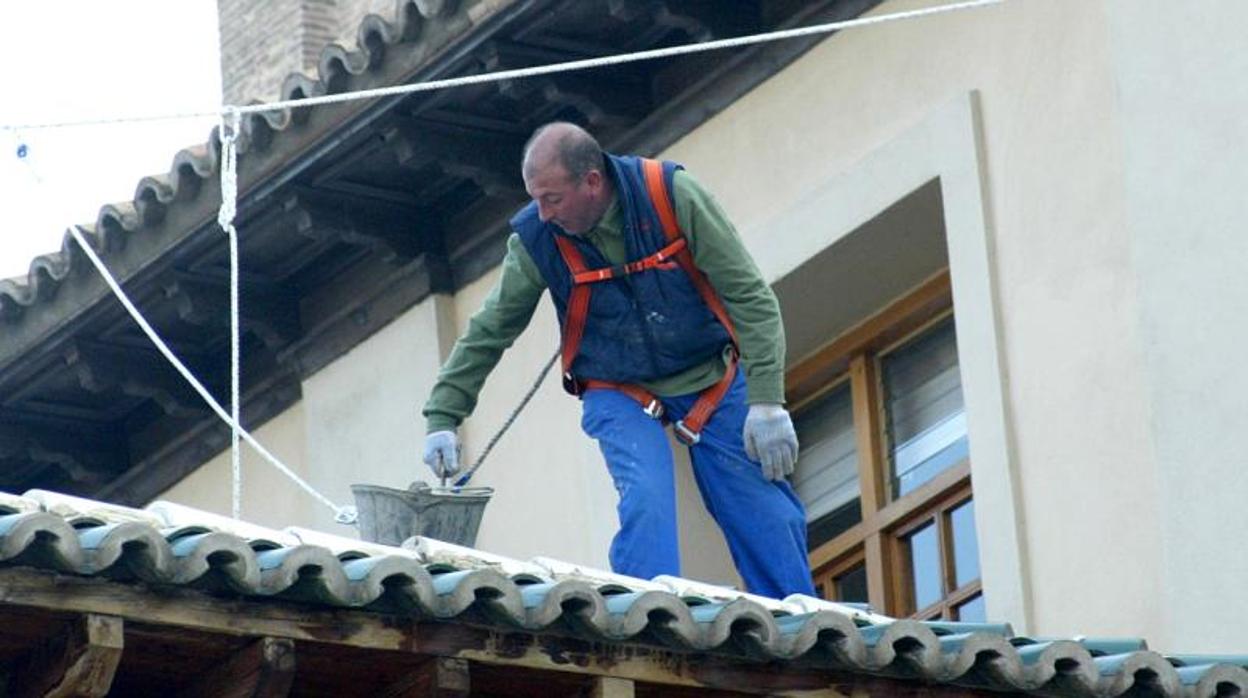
573, 205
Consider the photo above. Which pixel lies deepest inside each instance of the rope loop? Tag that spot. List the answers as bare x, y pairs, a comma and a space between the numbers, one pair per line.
231, 120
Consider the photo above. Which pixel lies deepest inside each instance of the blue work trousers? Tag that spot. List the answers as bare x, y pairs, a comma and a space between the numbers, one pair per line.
763, 521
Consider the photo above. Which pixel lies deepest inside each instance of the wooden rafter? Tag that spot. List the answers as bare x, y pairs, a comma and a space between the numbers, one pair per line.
440, 677
262, 669
78, 662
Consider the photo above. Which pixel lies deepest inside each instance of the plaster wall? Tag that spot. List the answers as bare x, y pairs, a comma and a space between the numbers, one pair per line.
269, 499
1185, 122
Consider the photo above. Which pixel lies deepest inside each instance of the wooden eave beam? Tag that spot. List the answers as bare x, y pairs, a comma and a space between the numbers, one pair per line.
386, 228
490, 160
265, 308
87, 457
440, 677
142, 373
78, 662
262, 669
187, 608
611, 687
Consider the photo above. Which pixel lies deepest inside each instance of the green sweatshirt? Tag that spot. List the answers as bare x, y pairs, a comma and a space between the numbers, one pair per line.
717, 251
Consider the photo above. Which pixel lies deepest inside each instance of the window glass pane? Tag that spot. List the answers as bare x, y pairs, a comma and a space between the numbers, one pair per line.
973, 611
832, 525
925, 567
851, 585
826, 476
965, 545
925, 419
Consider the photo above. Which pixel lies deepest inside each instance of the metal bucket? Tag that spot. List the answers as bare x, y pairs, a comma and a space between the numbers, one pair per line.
390, 516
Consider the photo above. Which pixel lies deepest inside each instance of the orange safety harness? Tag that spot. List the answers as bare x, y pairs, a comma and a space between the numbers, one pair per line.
689, 429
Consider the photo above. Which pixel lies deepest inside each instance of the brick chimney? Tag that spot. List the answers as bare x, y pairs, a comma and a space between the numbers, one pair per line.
263, 42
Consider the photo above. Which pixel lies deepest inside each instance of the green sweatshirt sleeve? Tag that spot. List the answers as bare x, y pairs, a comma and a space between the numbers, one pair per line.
504, 315
718, 251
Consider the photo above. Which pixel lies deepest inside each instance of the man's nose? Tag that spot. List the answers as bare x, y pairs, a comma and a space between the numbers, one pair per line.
543, 212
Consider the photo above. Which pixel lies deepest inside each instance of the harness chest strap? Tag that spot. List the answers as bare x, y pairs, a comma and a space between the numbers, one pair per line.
688, 429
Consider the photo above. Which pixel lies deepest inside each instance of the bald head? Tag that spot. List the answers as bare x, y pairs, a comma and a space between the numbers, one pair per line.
562, 144
564, 173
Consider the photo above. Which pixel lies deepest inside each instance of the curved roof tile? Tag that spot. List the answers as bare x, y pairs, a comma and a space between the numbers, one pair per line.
164, 544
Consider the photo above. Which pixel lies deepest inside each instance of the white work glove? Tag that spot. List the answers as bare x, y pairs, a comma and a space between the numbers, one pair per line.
442, 453
770, 439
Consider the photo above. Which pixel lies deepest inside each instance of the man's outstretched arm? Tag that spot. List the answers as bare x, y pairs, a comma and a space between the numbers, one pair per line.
502, 317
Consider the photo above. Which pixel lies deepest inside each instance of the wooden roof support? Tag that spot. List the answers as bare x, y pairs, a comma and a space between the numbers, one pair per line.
450, 647
610, 687
104, 368
78, 662
441, 677
263, 669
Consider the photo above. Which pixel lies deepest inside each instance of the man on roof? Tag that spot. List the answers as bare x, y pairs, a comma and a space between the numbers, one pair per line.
665, 319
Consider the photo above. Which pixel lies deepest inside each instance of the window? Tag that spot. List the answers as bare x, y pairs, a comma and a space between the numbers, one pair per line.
884, 469
827, 481
924, 420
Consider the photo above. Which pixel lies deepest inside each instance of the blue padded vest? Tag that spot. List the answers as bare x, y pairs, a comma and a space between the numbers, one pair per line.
640, 327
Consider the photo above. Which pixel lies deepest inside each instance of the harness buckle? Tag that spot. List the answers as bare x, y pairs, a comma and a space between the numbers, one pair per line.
571, 385
686, 435
653, 409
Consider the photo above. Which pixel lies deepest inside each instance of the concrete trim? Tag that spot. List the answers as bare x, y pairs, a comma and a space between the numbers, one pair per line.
946, 145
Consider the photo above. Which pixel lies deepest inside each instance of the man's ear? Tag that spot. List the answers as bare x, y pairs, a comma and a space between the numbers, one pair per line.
594, 179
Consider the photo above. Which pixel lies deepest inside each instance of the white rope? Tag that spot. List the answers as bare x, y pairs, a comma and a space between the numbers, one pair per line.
344, 514
225, 218
564, 67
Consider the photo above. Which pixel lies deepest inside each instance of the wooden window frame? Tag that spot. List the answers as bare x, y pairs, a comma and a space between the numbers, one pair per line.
878, 539
850, 559
951, 595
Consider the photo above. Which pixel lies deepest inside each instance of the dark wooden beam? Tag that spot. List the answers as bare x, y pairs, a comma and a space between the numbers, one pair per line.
363, 193
440, 677
659, 20
391, 230
142, 373
491, 160
262, 669
80, 661
602, 105
481, 122
606, 99
88, 456
611, 687
266, 309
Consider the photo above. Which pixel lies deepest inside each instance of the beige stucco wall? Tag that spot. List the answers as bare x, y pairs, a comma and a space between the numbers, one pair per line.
1180, 74
1095, 287
269, 499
